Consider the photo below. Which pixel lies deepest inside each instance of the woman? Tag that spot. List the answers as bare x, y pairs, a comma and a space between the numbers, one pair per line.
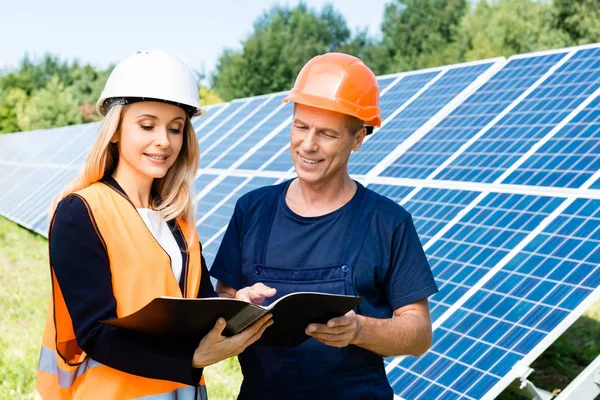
122, 234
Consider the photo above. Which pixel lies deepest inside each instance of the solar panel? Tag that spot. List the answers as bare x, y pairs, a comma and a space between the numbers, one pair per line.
535, 116
448, 84
567, 159
498, 162
429, 153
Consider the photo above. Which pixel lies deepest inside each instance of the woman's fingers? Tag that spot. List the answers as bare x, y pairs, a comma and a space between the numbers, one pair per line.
216, 333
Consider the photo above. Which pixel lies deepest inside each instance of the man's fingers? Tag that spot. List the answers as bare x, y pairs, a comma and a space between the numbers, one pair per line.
320, 328
266, 290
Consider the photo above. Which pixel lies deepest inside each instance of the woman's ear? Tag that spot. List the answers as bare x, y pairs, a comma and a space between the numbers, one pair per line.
115, 137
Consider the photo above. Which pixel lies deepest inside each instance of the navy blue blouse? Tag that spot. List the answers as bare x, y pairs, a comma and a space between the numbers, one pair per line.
82, 270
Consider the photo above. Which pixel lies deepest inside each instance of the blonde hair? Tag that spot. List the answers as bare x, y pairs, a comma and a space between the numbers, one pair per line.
172, 194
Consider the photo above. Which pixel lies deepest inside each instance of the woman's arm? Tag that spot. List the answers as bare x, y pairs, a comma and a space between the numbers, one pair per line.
82, 270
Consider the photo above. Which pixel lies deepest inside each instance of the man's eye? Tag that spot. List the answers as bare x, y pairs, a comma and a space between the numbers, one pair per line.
302, 128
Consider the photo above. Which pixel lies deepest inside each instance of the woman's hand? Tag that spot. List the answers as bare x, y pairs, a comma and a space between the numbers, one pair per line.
255, 294
215, 347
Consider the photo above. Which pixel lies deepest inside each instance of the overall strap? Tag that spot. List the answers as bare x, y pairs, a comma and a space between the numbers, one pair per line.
265, 221
356, 238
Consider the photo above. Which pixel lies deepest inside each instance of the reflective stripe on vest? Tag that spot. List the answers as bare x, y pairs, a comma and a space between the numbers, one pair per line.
65, 372
65, 379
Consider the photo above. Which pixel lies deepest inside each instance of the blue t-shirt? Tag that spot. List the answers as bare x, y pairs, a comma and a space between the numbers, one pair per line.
297, 241
391, 271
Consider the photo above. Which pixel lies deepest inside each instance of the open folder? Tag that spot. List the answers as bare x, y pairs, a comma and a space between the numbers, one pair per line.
179, 317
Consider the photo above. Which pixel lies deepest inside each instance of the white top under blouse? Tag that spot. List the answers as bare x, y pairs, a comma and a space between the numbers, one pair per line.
163, 235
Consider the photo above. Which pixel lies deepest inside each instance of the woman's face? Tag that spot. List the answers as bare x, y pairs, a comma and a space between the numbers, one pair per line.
150, 138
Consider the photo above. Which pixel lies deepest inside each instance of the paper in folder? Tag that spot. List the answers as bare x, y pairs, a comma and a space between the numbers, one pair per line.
179, 317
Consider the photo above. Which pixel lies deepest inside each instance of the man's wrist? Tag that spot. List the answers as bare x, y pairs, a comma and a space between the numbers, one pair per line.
358, 338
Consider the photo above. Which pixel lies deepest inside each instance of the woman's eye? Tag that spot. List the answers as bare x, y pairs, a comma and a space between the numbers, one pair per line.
147, 127
175, 131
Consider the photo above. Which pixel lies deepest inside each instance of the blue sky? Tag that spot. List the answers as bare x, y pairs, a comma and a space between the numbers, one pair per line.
103, 32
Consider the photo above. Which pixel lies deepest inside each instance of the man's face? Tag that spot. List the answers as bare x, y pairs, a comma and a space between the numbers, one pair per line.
321, 144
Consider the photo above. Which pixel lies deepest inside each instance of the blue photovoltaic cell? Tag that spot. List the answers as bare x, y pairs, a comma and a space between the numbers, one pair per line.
219, 218
221, 150
41, 224
38, 199
212, 109
274, 146
27, 181
569, 158
216, 195
476, 243
266, 126
422, 159
529, 121
385, 82
432, 209
209, 251
438, 95
403, 90
218, 141
200, 183
517, 308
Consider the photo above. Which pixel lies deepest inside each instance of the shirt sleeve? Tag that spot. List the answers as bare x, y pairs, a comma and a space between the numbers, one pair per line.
82, 269
410, 278
227, 266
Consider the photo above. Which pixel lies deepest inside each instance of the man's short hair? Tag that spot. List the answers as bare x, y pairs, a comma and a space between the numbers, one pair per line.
354, 124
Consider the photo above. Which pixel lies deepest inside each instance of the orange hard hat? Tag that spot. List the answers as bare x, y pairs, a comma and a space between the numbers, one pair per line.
338, 82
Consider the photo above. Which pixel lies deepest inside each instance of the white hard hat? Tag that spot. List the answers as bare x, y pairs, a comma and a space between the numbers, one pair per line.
152, 75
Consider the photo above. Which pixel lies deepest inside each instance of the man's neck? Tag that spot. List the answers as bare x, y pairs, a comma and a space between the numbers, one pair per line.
310, 200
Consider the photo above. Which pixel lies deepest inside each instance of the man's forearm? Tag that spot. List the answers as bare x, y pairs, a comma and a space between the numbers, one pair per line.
406, 334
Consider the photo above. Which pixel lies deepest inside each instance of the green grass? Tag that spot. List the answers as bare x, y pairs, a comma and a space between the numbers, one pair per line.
24, 293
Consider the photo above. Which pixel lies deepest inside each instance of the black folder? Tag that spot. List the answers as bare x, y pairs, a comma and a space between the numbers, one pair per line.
185, 318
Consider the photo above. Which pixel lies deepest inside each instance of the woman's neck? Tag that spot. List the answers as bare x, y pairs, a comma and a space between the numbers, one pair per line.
136, 188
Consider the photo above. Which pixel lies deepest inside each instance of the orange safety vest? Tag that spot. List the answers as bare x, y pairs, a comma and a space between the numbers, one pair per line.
65, 371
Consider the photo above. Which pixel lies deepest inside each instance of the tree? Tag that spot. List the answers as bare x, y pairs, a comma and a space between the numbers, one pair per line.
54, 105
578, 19
11, 102
283, 41
422, 33
508, 27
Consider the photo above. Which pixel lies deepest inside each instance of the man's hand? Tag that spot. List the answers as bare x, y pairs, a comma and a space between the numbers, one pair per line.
255, 294
215, 347
338, 332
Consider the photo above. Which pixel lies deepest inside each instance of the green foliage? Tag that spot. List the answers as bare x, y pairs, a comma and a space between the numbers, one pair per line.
415, 34
208, 96
54, 105
12, 103
283, 40
422, 33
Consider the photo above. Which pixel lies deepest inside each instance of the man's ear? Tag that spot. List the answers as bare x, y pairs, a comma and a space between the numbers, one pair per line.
359, 138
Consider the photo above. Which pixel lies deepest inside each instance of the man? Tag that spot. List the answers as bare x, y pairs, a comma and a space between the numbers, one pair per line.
324, 232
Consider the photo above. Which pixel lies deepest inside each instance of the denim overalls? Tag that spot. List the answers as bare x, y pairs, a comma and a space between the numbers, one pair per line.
311, 370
